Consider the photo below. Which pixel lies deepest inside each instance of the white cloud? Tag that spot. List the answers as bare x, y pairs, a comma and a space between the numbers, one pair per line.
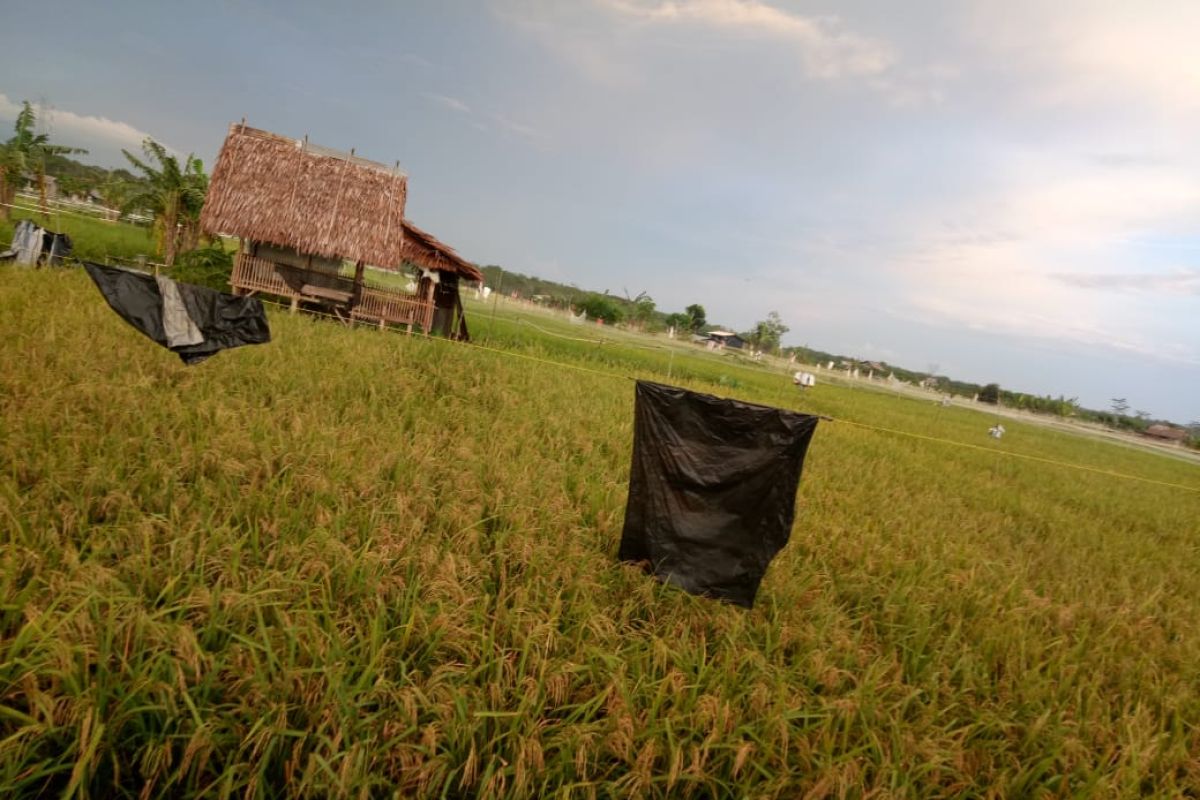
609, 41
503, 122
79, 130
517, 127
452, 103
996, 261
1079, 52
828, 51
1181, 281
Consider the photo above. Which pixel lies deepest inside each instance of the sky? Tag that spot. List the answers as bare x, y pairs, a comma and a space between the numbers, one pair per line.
1003, 190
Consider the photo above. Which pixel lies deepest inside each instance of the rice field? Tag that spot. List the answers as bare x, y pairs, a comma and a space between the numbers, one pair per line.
359, 564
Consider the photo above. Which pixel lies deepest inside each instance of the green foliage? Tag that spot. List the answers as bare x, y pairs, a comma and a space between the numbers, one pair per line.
73, 187
678, 320
172, 193
26, 152
92, 239
600, 306
205, 266
765, 334
557, 295
116, 192
697, 318
90, 175
643, 311
990, 394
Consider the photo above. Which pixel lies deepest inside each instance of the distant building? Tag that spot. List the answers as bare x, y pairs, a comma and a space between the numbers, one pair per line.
1168, 433
727, 339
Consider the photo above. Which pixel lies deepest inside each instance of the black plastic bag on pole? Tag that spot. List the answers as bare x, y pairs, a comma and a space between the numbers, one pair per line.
712, 489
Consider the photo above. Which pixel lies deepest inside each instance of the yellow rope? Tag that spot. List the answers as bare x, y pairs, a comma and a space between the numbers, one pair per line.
546, 361
876, 428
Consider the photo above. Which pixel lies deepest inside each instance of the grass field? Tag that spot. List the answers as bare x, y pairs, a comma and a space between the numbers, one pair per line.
92, 239
358, 564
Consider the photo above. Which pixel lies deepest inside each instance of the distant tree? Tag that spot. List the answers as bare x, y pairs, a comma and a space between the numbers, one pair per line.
72, 186
697, 318
1066, 407
173, 193
642, 309
678, 321
600, 306
990, 394
1119, 406
26, 152
115, 193
206, 266
1193, 428
12, 171
1144, 416
765, 334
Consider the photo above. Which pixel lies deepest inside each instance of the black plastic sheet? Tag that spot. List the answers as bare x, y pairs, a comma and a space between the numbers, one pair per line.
712, 489
223, 320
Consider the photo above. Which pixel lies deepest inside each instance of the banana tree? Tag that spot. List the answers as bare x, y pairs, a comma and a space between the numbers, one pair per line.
173, 193
26, 152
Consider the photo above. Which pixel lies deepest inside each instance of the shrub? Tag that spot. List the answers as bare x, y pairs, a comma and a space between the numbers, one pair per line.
205, 266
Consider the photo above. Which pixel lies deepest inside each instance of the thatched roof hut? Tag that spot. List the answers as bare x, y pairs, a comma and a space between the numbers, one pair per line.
321, 202
287, 192
302, 211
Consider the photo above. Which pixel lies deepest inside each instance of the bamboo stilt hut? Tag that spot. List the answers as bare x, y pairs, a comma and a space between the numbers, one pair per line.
304, 211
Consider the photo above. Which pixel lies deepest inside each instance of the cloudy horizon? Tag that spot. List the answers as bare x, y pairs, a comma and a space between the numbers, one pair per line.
1010, 191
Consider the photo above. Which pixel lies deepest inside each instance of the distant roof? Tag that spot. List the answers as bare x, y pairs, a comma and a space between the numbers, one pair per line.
1167, 432
721, 333
290, 193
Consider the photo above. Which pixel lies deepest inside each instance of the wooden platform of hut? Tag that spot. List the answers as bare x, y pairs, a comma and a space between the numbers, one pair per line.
302, 211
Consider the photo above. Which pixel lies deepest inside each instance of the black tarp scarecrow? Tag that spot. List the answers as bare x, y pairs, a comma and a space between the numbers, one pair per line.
712, 489
194, 322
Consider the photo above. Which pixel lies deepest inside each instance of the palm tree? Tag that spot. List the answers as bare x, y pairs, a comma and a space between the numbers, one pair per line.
26, 152
173, 194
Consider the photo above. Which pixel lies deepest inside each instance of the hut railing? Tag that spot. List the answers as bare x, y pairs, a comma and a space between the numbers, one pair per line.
375, 304
257, 274
386, 306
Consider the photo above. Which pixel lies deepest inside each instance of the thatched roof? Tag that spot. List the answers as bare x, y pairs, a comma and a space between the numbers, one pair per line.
423, 249
289, 193
1168, 432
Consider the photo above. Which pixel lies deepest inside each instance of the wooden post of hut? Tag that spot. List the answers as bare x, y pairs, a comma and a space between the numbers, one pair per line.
359, 272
